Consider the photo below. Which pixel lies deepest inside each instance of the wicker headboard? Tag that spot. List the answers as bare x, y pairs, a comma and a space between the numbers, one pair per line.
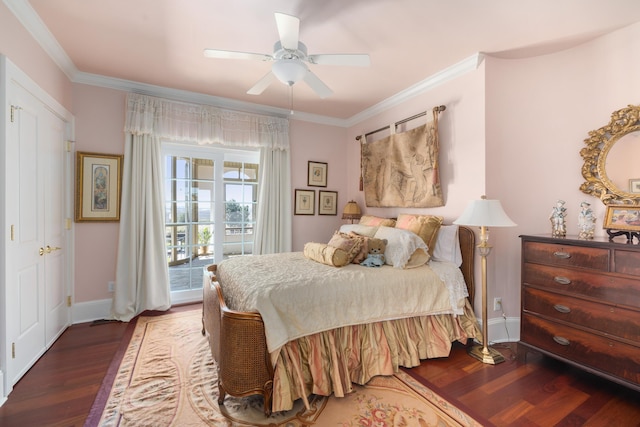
468, 248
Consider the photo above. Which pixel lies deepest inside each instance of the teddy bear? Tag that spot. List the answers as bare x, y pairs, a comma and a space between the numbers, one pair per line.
375, 256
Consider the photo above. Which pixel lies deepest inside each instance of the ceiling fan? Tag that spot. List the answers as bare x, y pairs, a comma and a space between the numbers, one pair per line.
289, 59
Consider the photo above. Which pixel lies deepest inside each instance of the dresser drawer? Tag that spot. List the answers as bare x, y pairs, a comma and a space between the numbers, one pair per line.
607, 319
606, 355
566, 255
627, 262
602, 287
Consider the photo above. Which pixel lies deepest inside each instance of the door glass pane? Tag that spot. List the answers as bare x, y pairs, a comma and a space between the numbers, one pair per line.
189, 217
240, 188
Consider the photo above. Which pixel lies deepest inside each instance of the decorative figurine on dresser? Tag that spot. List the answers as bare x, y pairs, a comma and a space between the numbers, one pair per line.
558, 214
586, 222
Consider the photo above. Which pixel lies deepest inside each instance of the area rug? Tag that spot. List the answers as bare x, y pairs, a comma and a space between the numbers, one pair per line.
167, 377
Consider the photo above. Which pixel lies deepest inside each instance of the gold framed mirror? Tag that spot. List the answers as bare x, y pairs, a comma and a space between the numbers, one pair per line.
611, 159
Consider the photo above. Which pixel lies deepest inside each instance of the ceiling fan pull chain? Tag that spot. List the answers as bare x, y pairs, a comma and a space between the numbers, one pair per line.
291, 99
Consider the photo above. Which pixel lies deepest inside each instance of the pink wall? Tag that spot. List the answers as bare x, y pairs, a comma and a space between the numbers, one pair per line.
18, 45
539, 112
462, 140
99, 116
319, 143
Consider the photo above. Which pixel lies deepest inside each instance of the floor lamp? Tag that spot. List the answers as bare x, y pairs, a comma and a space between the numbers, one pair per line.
485, 213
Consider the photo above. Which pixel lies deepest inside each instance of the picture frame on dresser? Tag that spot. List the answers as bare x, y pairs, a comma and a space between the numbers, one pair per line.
621, 217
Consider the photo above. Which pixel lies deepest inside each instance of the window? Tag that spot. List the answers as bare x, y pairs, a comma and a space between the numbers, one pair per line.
210, 209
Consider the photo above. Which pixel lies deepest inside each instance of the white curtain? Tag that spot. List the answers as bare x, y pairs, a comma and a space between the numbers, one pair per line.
273, 225
142, 280
142, 275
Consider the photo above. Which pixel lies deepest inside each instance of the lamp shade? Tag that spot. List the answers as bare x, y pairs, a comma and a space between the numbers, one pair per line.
351, 211
289, 71
485, 213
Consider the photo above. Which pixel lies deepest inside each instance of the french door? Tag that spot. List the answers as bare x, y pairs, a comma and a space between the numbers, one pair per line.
210, 209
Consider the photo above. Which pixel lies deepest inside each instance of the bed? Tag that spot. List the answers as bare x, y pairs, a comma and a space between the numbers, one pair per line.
284, 360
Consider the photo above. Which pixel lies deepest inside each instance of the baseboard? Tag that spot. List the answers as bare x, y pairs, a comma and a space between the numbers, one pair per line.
91, 310
3, 398
504, 330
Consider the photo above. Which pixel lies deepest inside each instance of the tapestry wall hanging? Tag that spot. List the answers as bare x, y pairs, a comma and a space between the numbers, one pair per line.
402, 169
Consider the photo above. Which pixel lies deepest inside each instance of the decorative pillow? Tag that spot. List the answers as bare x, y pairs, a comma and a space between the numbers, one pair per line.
418, 258
377, 221
363, 230
325, 254
401, 245
347, 243
425, 226
364, 247
448, 245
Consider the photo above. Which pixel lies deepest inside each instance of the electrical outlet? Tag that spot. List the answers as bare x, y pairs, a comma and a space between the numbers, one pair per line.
110, 286
497, 304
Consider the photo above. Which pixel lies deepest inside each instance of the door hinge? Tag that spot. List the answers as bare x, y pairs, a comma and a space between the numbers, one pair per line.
67, 145
67, 224
13, 350
12, 233
14, 108
69, 301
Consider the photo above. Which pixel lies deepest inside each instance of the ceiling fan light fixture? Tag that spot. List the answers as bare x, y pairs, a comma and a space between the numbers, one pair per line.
289, 71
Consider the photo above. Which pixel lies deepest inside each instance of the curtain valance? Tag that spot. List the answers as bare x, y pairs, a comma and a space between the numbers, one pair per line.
163, 118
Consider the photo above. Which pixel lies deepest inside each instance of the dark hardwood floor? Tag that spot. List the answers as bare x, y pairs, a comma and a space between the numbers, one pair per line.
61, 387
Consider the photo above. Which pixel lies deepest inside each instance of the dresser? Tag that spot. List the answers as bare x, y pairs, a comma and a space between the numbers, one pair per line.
581, 304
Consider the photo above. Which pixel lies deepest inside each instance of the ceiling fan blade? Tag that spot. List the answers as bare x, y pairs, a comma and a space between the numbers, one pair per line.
262, 84
229, 54
354, 60
288, 29
317, 85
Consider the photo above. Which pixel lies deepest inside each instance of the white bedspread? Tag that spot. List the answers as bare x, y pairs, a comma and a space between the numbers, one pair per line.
296, 296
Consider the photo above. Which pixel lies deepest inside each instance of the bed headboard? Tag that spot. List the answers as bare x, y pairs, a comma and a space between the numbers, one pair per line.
468, 248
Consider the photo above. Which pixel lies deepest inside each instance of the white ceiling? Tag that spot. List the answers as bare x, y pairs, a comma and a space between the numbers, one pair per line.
161, 42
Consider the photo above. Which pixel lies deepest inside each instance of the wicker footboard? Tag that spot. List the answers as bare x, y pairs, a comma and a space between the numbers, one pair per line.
238, 345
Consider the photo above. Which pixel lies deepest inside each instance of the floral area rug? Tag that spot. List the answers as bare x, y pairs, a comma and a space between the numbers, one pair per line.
167, 377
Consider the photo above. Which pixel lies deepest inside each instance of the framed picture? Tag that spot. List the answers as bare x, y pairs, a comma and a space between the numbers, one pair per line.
98, 187
620, 217
317, 174
305, 202
634, 185
328, 203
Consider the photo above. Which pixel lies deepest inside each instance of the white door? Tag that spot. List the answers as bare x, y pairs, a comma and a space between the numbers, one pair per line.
56, 292
35, 287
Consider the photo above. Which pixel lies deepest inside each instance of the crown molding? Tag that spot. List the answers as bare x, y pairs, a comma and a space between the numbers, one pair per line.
34, 25
456, 70
31, 21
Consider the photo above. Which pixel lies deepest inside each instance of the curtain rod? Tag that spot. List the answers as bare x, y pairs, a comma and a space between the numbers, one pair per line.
438, 109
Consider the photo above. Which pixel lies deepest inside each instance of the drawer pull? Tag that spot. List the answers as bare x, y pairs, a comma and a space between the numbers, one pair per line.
562, 308
561, 340
562, 280
562, 255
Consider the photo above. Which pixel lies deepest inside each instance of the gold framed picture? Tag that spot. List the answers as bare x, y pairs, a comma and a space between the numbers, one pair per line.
305, 201
98, 187
620, 217
328, 203
317, 174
